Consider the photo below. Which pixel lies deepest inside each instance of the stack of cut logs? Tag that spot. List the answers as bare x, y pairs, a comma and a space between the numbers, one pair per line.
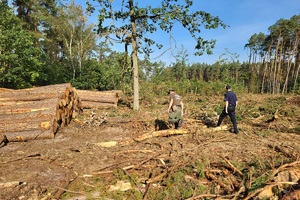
99, 99
37, 113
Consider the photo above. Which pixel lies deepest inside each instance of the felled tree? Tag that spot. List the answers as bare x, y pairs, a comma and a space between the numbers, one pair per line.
131, 22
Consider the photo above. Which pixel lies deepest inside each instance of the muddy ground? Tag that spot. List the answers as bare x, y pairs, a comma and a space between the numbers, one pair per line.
83, 159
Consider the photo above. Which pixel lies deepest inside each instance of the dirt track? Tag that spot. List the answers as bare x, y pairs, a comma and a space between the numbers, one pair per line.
45, 169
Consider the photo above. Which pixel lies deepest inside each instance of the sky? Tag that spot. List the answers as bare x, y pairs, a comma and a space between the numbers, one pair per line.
245, 18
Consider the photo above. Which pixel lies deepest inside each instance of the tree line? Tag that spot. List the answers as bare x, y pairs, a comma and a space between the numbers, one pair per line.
48, 42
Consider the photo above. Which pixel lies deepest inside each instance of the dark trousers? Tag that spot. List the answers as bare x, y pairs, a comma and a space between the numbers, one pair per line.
231, 113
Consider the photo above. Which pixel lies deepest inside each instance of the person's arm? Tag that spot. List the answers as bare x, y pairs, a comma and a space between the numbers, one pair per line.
181, 103
170, 105
236, 103
226, 106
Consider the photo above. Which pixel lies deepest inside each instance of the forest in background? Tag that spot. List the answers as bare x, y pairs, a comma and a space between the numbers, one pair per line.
47, 42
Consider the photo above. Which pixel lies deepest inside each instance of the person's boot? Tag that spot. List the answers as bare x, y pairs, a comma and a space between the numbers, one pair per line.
176, 125
180, 123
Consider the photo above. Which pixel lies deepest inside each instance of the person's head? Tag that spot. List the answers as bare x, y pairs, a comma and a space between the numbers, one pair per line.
228, 87
171, 90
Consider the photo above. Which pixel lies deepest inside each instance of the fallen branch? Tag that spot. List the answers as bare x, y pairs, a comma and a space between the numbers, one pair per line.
242, 189
282, 167
203, 196
161, 133
157, 178
280, 149
136, 151
124, 168
218, 181
110, 171
232, 166
276, 171
30, 156
70, 191
258, 191
61, 190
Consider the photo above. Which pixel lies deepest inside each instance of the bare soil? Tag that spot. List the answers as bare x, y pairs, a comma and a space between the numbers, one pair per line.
76, 164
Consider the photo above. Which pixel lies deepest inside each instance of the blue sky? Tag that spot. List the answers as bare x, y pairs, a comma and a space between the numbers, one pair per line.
245, 17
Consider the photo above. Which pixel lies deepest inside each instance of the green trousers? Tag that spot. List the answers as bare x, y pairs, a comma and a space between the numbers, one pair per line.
174, 116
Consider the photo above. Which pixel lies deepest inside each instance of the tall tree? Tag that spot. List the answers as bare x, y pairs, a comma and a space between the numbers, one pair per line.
20, 61
255, 45
77, 36
131, 22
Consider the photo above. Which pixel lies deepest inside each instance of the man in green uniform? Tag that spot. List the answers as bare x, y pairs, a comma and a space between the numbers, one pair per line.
175, 109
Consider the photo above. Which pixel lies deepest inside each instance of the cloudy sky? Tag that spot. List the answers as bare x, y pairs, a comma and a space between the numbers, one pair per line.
245, 18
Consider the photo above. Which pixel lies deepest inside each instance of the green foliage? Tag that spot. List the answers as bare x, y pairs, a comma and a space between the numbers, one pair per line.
149, 19
20, 61
200, 169
297, 129
37, 51
90, 77
259, 183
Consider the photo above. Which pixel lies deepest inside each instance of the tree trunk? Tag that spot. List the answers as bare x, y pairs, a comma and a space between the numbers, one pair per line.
289, 65
134, 56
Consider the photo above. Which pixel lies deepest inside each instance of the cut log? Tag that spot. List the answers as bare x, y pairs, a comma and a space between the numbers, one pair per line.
103, 99
13, 96
37, 113
92, 104
27, 125
10, 184
23, 136
88, 96
117, 93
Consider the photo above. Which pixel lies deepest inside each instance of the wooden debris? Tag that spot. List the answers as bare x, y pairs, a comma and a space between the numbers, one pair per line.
107, 144
37, 113
161, 133
24, 157
220, 128
121, 186
10, 184
294, 100
234, 169
293, 195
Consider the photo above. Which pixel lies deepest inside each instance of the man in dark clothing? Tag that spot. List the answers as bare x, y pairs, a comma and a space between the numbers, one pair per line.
175, 109
231, 102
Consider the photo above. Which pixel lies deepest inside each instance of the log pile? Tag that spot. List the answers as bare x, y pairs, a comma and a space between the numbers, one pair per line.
37, 113
99, 99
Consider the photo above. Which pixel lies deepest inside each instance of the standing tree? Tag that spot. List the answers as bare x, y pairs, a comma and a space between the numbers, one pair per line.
78, 38
130, 23
20, 61
255, 45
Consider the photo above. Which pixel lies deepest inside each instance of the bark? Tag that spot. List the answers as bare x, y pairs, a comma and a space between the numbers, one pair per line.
98, 97
91, 104
37, 113
134, 57
22, 136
